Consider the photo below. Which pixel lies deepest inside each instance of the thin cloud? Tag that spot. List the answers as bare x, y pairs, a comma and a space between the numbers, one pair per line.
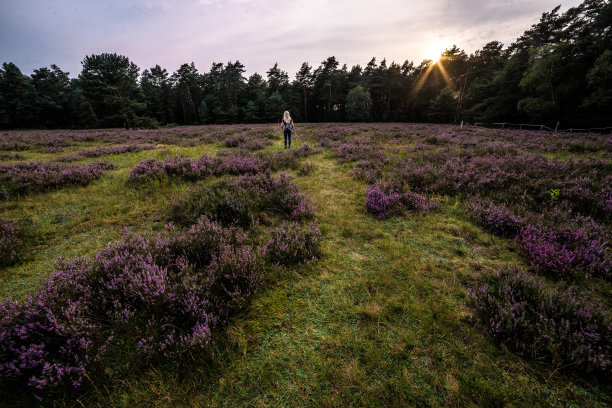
38, 33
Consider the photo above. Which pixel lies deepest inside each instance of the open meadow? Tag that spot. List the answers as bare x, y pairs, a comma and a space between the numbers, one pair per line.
369, 265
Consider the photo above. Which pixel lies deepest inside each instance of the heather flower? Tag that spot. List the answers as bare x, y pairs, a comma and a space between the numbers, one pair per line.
162, 296
27, 177
238, 165
235, 140
228, 204
10, 241
277, 195
175, 166
583, 251
496, 218
559, 326
290, 243
384, 200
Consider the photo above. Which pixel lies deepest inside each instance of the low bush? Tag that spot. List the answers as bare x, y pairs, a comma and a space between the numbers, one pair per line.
157, 298
582, 251
304, 150
558, 326
10, 242
306, 168
256, 144
235, 140
368, 170
238, 164
384, 200
291, 244
228, 204
28, 177
496, 218
195, 169
176, 166
281, 161
358, 149
281, 196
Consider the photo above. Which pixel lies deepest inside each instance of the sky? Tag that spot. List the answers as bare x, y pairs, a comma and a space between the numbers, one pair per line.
258, 33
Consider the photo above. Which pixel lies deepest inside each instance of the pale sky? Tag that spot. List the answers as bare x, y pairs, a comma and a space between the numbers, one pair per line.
37, 33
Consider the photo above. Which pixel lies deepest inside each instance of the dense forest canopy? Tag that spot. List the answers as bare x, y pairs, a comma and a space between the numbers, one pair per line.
558, 70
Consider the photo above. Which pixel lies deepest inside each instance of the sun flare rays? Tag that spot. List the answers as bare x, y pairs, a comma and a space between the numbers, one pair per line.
428, 71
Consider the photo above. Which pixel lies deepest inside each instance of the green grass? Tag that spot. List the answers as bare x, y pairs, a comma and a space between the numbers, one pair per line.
383, 319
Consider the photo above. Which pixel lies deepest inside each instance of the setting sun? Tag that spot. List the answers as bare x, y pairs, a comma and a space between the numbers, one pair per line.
433, 49
434, 55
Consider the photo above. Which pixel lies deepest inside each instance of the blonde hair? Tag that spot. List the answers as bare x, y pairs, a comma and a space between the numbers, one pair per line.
286, 117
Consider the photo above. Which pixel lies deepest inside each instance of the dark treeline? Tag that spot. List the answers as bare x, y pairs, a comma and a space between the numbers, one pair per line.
558, 70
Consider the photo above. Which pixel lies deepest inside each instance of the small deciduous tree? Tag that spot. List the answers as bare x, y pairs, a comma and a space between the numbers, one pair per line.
358, 104
540, 82
443, 108
600, 83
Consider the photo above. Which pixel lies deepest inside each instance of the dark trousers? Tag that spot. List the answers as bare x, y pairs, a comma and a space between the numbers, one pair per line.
287, 137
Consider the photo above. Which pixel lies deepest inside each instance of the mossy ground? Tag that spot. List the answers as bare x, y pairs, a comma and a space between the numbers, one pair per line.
382, 319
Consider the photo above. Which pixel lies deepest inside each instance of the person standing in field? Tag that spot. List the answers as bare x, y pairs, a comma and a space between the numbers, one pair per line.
287, 127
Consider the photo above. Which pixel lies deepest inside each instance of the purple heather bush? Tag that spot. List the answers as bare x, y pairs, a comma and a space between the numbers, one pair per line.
542, 323
149, 169
359, 149
27, 177
256, 144
10, 242
282, 160
292, 243
235, 140
582, 251
188, 169
103, 151
297, 205
280, 195
496, 218
238, 165
369, 171
160, 297
385, 200
508, 176
175, 166
305, 150
11, 156
228, 204
235, 203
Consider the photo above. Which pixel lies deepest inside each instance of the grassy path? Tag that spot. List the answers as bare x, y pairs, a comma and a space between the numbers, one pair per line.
380, 320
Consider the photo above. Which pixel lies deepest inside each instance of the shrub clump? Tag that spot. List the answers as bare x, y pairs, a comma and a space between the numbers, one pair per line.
180, 167
228, 204
291, 244
195, 169
235, 140
496, 218
158, 298
256, 144
10, 242
306, 168
542, 323
27, 177
237, 164
281, 160
384, 200
280, 195
305, 150
569, 251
